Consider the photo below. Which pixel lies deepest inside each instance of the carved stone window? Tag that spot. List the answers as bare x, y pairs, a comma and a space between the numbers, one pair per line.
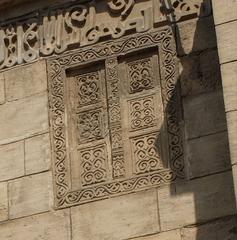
115, 118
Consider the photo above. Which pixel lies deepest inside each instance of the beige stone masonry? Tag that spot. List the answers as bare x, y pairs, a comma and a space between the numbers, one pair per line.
223, 229
3, 202
12, 161
200, 73
37, 154
196, 201
232, 130
25, 81
227, 38
117, 218
24, 118
224, 11
195, 35
30, 195
207, 155
229, 76
169, 235
48, 226
2, 89
203, 115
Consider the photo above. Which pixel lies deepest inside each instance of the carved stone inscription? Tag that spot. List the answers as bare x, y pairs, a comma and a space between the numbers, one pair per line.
55, 30
115, 118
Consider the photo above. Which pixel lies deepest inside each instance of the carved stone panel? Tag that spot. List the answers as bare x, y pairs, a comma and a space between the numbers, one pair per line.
115, 118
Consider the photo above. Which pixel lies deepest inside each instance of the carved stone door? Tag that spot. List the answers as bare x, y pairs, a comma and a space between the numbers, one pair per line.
115, 118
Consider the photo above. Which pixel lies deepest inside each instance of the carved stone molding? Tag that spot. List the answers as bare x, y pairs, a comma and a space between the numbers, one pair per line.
56, 30
107, 169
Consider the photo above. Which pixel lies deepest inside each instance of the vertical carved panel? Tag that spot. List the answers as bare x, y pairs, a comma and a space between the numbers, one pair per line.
93, 164
113, 88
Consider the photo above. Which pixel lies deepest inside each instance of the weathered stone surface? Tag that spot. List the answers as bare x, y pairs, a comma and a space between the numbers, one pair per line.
169, 235
200, 73
227, 38
23, 118
229, 73
195, 35
196, 201
116, 218
204, 114
37, 154
234, 171
207, 155
30, 195
12, 161
3, 202
2, 89
47, 226
224, 229
25, 81
224, 11
232, 129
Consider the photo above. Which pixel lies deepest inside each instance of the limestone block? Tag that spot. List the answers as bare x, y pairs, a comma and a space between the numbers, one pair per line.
200, 73
169, 235
204, 114
229, 75
3, 202
196, 201
224, 11
23, 118
37, 154
195, 35
116, 218
234, 171
25, 81
227, 38
232, 130
47, 226
12, 161
2, 89
208, 155
224, 229
30, 195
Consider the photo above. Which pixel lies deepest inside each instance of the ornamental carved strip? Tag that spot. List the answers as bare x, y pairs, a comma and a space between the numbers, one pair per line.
57, 67
113, 89
55, 30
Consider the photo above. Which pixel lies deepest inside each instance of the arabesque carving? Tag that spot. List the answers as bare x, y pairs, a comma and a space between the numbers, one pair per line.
56, 30
115, 179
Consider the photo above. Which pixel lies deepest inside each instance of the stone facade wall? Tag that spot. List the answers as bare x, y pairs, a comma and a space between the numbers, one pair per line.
201, 206
226, 21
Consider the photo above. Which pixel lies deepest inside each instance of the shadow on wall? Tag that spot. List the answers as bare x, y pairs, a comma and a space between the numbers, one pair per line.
208, 193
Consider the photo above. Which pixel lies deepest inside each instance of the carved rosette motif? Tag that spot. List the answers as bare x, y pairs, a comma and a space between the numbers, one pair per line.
88, 88
142, 112
90, 125
93, 164
146, 156
163, 39
140, 75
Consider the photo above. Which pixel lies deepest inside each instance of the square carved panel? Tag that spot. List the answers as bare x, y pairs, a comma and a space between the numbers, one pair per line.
115, 118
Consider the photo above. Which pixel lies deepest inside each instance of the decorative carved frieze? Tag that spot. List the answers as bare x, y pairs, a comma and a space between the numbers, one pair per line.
56, 30
127, 142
